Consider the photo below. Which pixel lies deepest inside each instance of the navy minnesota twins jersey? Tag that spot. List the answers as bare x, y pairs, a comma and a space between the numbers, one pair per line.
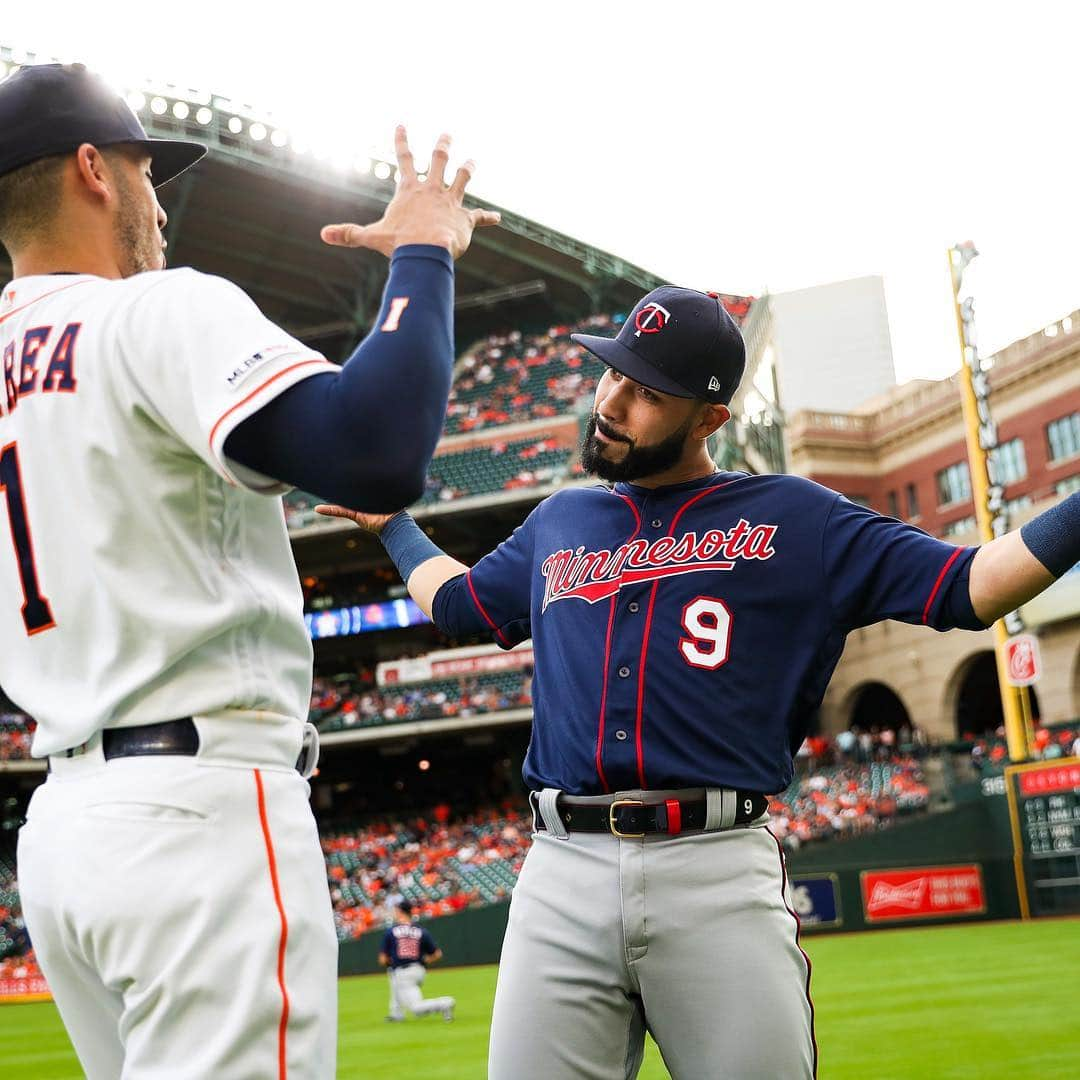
684, 635
407, 944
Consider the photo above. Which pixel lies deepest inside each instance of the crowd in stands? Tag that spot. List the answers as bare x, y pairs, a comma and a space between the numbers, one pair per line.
1050, 743
13, 939
16, 734
498, 466
438, 865
354, 701
508, 378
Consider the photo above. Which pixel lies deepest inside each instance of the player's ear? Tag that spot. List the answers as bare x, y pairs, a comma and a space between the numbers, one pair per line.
92, 170
712, 418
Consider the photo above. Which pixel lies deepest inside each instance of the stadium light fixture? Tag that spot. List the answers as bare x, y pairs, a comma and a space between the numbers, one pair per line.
136, 101
279, 138
423, 764
382, 170
204, 115
180, 110
159, 106
257, 131
236, 125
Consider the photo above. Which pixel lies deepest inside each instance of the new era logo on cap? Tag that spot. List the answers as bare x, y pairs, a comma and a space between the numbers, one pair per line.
678, 341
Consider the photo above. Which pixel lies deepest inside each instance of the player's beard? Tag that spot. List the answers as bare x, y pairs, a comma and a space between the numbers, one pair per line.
139, 248
639, 462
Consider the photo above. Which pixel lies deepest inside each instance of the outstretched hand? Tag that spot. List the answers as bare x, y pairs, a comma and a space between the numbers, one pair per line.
372, 523
422, 211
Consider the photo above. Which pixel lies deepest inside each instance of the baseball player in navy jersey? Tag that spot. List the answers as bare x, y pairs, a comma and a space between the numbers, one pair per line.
150, 611
406, 953
685, 623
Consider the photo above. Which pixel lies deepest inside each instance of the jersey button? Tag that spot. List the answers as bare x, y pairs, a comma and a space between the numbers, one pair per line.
657, 523
632, 607
621, 735
624, 672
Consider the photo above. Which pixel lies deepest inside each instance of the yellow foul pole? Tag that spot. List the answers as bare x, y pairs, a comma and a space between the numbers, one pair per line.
1013, 698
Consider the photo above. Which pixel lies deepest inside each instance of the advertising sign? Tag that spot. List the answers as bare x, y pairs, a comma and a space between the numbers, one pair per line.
922, 892
816, 900
1024, 663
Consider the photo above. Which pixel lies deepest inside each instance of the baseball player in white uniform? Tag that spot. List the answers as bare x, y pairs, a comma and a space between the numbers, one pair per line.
150, 611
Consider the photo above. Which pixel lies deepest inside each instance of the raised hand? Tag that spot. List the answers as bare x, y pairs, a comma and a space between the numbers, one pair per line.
422, 211
372, 523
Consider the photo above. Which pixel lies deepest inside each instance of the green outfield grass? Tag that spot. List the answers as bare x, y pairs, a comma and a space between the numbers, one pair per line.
988, 1001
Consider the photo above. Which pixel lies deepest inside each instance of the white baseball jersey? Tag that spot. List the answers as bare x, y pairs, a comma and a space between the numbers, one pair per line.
143, 577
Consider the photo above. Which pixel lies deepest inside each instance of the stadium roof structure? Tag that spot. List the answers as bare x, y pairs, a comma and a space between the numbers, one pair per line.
252, 209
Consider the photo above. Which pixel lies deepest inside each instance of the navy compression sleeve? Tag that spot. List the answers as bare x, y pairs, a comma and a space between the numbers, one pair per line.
364, 437
1054, 536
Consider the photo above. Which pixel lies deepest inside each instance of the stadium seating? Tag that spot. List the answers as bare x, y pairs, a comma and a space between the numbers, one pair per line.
12, 933
509, 378
500, 466
343, 703
478, 470
439, 867
992, 754
844, 799
16, 733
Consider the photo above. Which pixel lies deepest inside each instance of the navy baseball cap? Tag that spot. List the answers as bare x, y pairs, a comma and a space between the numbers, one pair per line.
678, 341
48, 109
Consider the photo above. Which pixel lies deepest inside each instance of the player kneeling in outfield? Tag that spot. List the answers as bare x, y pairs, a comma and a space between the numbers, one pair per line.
685, 623
407, 951
150, 611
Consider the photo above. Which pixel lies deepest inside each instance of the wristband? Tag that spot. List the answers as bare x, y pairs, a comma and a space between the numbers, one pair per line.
407, 545
1054, 536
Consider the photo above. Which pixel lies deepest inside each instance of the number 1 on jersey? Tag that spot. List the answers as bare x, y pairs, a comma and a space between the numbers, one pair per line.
36, 613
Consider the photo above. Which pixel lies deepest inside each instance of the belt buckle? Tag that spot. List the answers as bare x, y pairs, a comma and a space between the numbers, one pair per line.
611, 819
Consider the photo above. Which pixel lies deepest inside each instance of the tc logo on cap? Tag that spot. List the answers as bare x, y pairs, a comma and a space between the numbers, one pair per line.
651, 319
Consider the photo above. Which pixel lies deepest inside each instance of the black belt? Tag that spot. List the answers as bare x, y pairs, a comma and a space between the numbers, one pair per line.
635, 817
179, 738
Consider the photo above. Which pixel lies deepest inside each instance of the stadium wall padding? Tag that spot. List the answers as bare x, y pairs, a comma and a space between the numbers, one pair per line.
971, 832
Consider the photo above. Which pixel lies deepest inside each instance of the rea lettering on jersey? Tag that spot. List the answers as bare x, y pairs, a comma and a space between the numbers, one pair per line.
26, 370
595, 575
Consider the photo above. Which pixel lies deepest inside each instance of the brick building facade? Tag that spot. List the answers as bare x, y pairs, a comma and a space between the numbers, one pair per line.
904, 454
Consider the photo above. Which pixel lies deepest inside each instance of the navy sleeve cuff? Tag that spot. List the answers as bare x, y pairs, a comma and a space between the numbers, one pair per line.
423, 251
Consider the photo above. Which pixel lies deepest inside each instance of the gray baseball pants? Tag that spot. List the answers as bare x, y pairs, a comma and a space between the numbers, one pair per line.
405, 993
692, 938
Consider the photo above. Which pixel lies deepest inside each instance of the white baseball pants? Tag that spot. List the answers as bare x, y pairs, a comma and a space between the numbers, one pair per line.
180, 913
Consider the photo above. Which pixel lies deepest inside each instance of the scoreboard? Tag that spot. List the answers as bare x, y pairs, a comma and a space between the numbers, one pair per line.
1044, 807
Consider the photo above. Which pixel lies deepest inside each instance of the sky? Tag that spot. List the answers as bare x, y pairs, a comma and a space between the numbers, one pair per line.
736, 147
